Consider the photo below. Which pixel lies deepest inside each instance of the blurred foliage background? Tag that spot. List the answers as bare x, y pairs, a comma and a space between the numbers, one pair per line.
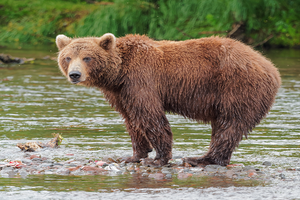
274, 23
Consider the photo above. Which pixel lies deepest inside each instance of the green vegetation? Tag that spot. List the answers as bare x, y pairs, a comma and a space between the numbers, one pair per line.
255, 22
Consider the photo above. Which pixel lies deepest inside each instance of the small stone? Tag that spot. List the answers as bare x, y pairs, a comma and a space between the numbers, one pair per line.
248, 168
145, 174
26, 161
212, 168
157, 176
46, 165
70, 165
267, 163
236, 165
33, 156
59, 164
37, 159
169, 176
282, 176
101, 163
92, 169
184, 175
63, 171
23, 173
230, 173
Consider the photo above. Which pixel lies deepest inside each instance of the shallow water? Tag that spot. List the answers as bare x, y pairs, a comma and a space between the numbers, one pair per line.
36, 100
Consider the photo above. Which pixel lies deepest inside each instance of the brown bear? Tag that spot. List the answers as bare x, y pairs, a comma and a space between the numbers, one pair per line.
216, 80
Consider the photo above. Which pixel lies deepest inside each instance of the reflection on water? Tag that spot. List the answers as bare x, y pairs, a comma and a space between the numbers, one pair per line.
35, 101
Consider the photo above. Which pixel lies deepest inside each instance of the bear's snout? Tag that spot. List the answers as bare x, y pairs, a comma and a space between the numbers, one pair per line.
75, 76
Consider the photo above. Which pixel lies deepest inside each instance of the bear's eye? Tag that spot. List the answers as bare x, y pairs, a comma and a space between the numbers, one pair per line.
87, 59
68, 59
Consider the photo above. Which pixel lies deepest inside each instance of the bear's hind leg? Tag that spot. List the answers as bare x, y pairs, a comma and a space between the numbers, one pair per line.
226, 136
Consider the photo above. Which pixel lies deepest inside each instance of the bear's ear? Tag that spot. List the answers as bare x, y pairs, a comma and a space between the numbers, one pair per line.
107, 41
62, 41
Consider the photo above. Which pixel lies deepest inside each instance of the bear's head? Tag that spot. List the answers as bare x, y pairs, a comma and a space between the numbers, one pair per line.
90, 61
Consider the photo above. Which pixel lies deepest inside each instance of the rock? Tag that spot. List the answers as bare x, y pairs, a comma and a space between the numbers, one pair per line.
26, 161
92, 169
157, 176
282, 176
247, 168
215, 168
145, 174
33, 156
63, 171
169, 176
70, 165
23, 173
267, 163
37, 159
184, 175
102, 163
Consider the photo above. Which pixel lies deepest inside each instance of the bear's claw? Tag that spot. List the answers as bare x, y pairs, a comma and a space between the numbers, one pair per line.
198, 161
150, 162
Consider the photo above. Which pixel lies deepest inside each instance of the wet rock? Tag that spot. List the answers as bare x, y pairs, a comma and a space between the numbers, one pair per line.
167, 170
230, 174
93, 170
215, 168
145, 174
236, 165
102, 163
46, 165
26, 161
177, 161
248, 168
169, 176
37, 159
34, 156
113, 167
197, 169
23, 173
157, 176
63, 171
58, 164
282, 176
70, 165
252, 173
267, 163
184, 175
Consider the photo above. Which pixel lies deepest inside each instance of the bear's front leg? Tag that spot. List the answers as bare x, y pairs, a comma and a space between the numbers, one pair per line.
150, 133
140, 144
147, 125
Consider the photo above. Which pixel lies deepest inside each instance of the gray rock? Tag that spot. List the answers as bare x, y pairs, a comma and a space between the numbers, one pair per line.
282, 176
267, 163
37, 160
63, 171
70, 165
169, 176
26, 161
246, 168
23, 173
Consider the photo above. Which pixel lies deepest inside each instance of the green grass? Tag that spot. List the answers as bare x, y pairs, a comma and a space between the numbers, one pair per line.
37, 21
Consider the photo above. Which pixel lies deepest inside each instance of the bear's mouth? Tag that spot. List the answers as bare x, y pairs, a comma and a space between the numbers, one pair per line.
75, 82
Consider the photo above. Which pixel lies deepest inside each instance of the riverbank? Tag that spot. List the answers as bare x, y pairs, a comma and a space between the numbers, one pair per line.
269, 23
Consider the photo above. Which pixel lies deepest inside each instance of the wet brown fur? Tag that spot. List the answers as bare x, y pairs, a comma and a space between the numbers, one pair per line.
216, 80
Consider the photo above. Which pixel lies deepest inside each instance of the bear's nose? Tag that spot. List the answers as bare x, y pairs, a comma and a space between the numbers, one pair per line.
74, 75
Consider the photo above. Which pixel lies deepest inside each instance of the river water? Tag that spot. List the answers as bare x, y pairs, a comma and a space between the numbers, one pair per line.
36, 100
